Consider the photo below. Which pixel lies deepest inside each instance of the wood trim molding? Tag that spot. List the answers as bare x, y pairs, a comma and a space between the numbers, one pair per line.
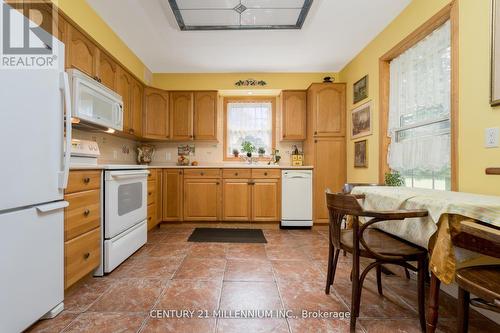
492, 171
449, 12
229, 99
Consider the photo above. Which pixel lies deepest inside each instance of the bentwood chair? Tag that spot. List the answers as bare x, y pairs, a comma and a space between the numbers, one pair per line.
481, 281
365, 241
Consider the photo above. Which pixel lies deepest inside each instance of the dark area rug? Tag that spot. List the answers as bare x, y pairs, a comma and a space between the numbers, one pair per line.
224, 235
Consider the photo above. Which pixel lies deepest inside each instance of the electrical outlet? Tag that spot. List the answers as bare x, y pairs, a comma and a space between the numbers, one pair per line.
491, 137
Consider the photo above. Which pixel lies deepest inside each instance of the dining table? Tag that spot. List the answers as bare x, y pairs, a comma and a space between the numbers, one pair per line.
448, 211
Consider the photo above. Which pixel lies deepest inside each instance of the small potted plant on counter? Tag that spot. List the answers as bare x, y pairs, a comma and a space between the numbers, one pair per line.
236, 152
247, 147
261, 151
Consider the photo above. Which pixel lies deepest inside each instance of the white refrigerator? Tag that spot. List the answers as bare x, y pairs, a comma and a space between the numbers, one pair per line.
33, 175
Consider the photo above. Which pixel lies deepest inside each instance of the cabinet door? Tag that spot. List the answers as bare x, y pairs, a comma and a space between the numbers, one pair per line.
159, 196
181, 110
136, 94
266, 200
293, 115
155, 121
328, 108
81, 52
329, 172
45, 15
107, 70
172, 194
205, 115
202, 199
124, 89
237, 199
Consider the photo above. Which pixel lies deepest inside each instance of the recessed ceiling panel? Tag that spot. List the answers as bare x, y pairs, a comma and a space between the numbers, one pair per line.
240, 14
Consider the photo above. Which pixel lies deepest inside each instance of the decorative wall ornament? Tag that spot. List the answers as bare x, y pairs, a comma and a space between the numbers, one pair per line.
145, 153
250, 83
360, 89
361, 154
361, 121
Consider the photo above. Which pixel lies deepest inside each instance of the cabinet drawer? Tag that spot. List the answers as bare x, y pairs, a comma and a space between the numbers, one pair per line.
83, 213
237, 173
266, 173
83, 180
81, 256
152, 216
202, 173
152, 174
151, 191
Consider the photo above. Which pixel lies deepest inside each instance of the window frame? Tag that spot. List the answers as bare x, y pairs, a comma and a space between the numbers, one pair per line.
449, 12
248, 99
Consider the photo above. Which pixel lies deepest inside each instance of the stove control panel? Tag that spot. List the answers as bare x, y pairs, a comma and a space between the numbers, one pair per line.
84, 148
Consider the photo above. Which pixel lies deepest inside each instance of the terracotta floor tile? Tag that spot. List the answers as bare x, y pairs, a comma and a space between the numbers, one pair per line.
150, 267
475, 326
391, 325
342, 272
298, 296
284, 252
201, 269
191, 325
252, 326
321, 326
178, 249
248, 270
106, 322
130, 295
250, 296
154, 238
190, 295
299, 270
246, 251
207, 250
54, 325
316, 252
175, 237
82, 295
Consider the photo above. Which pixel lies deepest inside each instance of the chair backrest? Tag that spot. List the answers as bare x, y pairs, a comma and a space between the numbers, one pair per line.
339, 205
349, 186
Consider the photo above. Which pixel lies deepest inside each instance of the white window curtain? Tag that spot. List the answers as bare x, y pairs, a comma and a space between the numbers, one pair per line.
249, 122
419, 106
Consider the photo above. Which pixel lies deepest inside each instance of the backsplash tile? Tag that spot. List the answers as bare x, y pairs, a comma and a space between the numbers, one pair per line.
114, 149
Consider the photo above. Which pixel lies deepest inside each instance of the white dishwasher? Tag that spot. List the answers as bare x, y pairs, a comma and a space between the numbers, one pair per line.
296, 198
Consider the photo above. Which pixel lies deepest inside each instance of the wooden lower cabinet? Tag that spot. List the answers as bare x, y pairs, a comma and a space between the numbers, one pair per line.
172, 194
151, 216
81, 256
237, 200
202, 199
83, 213
266, 200
154, 198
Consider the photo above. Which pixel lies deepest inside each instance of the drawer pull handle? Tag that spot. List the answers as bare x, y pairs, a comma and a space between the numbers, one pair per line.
149, 193
86, 212
86, 180
217, 183
236, 174
202, 173
149, 218
86, 255
265, 173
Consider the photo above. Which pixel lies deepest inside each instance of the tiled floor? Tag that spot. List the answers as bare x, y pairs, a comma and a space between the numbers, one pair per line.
287, 273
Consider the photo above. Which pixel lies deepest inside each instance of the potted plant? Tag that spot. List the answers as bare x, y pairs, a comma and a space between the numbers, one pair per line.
394, 178
261, 151
236, 152
247, 147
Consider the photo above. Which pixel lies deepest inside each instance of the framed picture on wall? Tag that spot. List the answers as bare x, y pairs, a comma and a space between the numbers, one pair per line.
495, 53
360, 89
361, 154
361, 121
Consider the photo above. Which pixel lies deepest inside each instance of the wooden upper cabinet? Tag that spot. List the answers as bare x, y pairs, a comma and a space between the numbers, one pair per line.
136, 106
156, 114
293, 114
81, 53
124, 89
181, 115
172, 194
326, 102
205, 115
107, 70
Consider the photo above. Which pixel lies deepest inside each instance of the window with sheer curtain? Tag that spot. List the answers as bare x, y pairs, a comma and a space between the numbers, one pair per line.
249, 121
419, 112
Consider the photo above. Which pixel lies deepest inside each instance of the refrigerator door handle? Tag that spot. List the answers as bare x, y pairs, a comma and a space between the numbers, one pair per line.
52, 206
64, 174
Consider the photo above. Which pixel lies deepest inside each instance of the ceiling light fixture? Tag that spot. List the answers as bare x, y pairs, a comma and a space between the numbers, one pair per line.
240, 14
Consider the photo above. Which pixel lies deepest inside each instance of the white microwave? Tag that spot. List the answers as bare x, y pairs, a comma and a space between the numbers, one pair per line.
94, 104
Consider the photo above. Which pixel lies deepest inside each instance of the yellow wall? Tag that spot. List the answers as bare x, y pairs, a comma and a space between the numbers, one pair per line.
475, 114
225, 81
80, 12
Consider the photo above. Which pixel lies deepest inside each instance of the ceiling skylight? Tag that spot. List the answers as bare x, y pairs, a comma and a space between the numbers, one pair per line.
240, 14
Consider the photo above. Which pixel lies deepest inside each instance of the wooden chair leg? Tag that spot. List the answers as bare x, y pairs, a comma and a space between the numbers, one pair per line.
379, 279
356, 292
422, 271
433, 307
329, 272
463, 310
